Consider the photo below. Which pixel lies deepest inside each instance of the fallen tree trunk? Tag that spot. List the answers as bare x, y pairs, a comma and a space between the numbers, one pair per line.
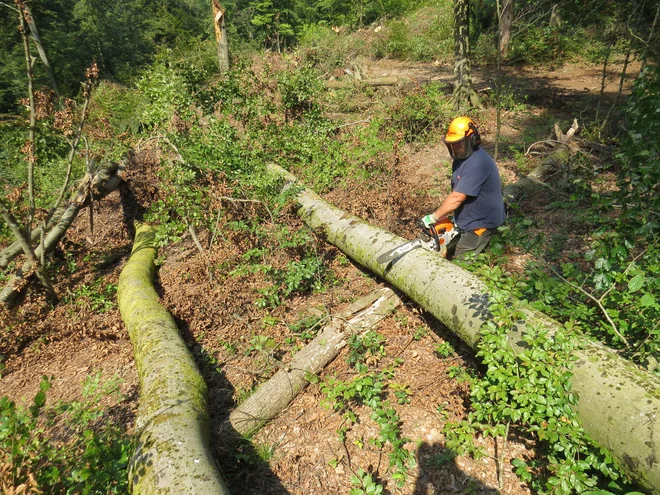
105, 181
618, 404
278, 392
378, 81
515, 192
172, 454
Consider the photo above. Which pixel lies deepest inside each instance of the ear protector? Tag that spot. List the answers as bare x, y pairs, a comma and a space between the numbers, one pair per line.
475, 137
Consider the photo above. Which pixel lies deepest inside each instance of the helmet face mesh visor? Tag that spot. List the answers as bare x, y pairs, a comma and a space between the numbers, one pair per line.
459, 149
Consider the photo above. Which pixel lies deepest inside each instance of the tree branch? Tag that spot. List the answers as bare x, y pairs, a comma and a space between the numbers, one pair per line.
40, 48
87, 92
598, 303
368, 119
27, 249
236, 200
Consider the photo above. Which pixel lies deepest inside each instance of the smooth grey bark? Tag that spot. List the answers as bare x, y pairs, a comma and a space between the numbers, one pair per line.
172, 453
14, 249
617, 403
278, 392
27, 249
104, 182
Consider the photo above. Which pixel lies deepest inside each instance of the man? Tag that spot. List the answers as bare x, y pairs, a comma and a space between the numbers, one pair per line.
476, 191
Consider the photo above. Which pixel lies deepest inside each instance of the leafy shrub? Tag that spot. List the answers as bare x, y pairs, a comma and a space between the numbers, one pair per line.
484, 51
538, 45
117, 104
640, 153
68, 448
52, 150
165, 94
421, 112
299, 88
365, 349
297, 277
530, 389
368, 388
425, 35
326, 50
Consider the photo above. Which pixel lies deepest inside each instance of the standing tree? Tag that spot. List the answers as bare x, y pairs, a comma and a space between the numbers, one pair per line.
505, 18
465, 96
504, 23
221, 36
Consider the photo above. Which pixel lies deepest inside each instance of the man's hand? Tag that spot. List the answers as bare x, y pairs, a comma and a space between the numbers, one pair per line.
430, 220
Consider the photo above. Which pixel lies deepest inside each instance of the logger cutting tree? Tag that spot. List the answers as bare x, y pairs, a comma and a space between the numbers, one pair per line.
476, 191
470, 215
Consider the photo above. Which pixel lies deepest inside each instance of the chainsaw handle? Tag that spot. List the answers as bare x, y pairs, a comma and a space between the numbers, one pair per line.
430, 233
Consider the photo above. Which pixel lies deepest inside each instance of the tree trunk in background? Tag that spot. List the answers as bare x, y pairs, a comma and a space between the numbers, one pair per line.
104, 182
278, 392
465, 96
506, 21
617, 403
172, 454
221, 36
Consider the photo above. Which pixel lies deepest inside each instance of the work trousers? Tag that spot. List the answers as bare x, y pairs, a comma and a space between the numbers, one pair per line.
467, 241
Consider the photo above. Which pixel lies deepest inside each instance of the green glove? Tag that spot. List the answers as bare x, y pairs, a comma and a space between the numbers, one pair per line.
430, 220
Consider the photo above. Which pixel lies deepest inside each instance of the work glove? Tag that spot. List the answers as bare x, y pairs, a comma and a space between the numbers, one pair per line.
430, 220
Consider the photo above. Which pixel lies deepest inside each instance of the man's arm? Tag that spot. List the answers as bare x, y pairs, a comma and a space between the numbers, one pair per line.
450, 204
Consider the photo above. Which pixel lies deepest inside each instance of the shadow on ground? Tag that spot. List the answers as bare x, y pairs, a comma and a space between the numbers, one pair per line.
241, 463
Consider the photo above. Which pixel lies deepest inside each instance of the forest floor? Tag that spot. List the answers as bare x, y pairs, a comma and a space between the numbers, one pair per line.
295, 453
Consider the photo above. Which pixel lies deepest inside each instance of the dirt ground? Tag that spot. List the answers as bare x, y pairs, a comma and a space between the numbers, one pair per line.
219, 322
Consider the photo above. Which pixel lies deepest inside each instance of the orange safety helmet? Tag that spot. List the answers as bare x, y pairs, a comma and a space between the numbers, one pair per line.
462, 137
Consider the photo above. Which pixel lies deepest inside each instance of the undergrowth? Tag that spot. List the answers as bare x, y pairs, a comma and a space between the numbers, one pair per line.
69, 447
370, 388
528, 389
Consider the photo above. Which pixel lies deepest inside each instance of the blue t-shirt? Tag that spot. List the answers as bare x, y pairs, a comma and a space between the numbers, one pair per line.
478, 178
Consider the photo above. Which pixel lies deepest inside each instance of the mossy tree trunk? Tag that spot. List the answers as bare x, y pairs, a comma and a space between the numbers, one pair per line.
618, 404
172, 454
465, 96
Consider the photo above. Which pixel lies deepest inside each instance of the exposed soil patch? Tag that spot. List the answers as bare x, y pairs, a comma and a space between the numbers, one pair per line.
237, 346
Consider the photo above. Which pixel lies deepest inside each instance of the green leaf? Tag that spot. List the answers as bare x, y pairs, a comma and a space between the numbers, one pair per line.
647, 300
40, 399
636, 283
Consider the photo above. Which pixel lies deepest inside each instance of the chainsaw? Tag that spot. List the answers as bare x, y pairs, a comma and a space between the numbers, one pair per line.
433, 238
